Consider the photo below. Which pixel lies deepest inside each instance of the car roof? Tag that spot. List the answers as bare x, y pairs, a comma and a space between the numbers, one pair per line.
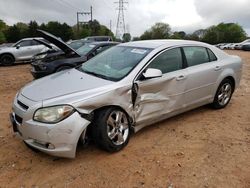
157, 43
39, 38
103, 42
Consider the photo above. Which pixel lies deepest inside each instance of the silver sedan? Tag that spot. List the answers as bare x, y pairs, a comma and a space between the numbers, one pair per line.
121, 90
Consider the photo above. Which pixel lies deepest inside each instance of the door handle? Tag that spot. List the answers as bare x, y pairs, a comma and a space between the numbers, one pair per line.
181, 77
217, 68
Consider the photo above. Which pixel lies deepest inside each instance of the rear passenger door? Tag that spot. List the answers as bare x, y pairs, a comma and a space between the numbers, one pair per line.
203, 72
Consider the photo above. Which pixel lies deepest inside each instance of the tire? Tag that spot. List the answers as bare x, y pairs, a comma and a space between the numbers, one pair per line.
7, 59
111, 129
223, 94
63, 68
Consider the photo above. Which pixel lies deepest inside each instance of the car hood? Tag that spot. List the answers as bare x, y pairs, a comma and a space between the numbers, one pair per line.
59, 43
63, 83
6, 49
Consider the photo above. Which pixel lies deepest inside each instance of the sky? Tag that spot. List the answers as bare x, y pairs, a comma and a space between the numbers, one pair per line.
140, 15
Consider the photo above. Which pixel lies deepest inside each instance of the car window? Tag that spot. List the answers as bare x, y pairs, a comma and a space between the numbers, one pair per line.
212, 57
35, 43
196, 55
85, 49
168, 61
24, 43
76, 44
101, 49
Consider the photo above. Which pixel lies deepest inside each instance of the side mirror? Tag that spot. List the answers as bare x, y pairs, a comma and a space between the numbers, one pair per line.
18, 46
152, 73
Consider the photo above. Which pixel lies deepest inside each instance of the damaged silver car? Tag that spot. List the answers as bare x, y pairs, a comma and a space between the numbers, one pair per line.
120, 91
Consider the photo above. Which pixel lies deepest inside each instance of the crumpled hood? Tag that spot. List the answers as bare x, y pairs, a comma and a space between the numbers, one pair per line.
61, 84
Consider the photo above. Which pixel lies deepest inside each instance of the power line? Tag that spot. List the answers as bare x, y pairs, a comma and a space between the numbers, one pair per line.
65, 3
120, 27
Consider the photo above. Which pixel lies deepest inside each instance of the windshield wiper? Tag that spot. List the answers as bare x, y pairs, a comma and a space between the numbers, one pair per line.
97, 75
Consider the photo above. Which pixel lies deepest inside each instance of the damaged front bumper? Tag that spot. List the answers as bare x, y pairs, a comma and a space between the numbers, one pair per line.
58, 139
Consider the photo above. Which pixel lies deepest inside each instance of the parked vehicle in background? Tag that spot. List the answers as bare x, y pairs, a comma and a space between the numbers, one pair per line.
21, 51
98, 38
238, 46
123, 89
75, 44
246, 47
67, 57
219, 45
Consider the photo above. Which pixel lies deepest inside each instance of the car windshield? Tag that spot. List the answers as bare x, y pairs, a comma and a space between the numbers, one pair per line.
114, 63
77, 44
85, 49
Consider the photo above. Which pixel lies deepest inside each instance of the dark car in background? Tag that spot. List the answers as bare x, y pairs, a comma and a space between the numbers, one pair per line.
66, 57
246, 47
75, 44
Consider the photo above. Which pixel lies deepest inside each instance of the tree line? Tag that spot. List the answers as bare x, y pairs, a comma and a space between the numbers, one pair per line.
64, 31
221, 33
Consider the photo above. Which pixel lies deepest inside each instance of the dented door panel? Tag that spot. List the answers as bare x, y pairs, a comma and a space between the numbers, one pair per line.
159, 96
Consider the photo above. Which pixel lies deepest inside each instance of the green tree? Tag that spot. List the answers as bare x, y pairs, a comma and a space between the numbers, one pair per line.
224, 32
3, 27
2, 37
64, 31
157, 31
23, 29
32, 29
178, 35
12, 34
126, 37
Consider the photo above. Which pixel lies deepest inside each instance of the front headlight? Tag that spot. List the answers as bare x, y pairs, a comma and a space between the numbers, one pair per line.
53, 114
42, 66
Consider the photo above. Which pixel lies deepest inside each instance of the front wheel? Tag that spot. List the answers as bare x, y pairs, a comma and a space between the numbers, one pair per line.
111, 129
223, 94
7, 59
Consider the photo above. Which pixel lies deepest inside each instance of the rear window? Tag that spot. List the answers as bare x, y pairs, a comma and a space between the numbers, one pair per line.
212, 57
196, 55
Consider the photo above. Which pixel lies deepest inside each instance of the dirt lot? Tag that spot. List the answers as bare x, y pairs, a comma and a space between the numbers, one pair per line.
201, 148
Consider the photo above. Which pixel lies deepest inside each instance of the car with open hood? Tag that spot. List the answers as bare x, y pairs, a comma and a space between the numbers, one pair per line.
120, 91
66, 57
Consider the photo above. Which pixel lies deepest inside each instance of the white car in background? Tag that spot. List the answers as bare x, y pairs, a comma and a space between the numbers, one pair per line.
21, 51
238, 46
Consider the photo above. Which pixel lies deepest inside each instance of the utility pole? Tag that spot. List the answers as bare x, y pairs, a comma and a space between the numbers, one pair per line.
120, 27
83, 14
110, 25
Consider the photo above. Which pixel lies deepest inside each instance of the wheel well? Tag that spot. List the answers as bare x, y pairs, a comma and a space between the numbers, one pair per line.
114, 106
232, 80
110, 106
8, 54
95, 112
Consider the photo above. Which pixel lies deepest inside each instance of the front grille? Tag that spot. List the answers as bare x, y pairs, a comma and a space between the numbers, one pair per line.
18, 119
22, 105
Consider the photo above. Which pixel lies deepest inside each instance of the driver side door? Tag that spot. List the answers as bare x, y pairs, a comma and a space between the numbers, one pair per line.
157, 97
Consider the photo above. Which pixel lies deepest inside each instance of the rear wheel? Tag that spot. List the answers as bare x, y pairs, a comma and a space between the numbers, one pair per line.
63, 68
111, 129
223, 94
7, 59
